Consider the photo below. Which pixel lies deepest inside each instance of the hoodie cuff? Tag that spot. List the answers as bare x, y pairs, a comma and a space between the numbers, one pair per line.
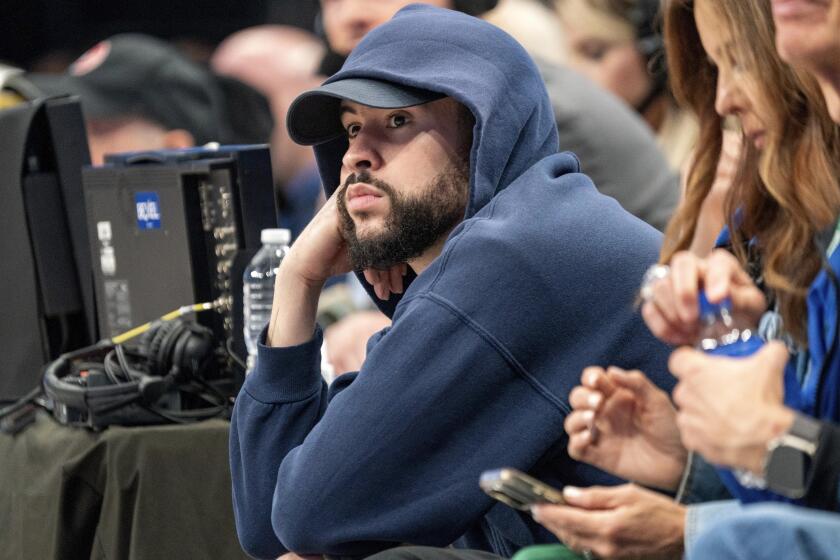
286, 374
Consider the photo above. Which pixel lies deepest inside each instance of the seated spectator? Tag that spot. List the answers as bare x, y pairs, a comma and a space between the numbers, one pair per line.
139, 93
617, 45
614, 147
621, 422
437, 145
807, 37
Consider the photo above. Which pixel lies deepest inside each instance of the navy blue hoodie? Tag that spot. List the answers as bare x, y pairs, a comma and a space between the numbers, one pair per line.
535, 284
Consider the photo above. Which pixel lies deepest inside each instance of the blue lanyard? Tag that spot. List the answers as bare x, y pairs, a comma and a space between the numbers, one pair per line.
830, 350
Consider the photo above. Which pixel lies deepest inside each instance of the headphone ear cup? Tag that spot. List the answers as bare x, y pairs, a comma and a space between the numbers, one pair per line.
197, 349
191, 350
178, 344
646, 19
156, 344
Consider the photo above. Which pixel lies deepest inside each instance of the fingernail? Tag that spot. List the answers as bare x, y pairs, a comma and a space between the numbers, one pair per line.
572, 492
591, 378
594, 400
535, 513
589, 416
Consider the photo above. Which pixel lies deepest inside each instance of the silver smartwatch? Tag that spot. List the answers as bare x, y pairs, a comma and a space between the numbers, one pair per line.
787, 467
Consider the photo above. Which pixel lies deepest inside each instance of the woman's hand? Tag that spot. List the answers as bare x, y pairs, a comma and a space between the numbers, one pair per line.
624, 424
616, 522
731, 408
671, 310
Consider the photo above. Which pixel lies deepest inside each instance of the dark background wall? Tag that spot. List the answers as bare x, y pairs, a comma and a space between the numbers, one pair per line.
46, 34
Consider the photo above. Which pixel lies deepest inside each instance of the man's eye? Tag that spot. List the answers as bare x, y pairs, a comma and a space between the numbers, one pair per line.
353, 130
396, 121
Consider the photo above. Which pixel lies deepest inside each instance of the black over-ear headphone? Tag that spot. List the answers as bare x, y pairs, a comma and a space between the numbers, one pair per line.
107, 384
179, 349
644, 17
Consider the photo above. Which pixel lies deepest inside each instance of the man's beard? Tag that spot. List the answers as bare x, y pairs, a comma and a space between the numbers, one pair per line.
414, 223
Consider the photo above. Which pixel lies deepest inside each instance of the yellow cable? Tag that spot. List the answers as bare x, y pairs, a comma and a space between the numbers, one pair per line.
174, 314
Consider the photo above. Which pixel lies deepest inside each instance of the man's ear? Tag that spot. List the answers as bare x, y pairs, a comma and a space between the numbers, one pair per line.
178, 138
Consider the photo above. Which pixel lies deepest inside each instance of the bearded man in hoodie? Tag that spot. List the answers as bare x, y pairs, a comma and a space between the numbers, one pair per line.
505, 274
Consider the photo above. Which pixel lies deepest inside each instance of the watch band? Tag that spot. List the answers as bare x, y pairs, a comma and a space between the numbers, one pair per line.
789, 457
806, 432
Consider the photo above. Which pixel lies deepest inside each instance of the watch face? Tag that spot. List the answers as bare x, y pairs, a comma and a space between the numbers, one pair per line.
786, 471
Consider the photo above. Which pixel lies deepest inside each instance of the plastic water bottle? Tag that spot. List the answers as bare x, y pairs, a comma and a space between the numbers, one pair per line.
721, 335
258, 286
719, 332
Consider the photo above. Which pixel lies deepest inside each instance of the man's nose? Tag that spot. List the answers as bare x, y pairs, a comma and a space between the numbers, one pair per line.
362, 155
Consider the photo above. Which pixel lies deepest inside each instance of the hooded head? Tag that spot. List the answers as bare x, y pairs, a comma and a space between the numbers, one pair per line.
426, 53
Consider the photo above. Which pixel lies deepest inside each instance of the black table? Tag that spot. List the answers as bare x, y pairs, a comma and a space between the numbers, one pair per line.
124, 493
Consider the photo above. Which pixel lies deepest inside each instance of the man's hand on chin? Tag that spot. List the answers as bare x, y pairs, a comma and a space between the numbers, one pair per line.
320, 250
318, 253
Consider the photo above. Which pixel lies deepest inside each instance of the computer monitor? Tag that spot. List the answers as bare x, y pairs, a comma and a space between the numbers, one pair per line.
46, 285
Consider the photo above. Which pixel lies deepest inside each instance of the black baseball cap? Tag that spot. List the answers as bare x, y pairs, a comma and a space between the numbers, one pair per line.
314, 117
135, 74
474, 7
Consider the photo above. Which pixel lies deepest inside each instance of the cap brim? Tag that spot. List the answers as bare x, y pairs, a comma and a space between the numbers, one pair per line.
314, 118
94, 103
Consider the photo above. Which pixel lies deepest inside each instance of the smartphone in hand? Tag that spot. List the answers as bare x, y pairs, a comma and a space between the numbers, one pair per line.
517, 489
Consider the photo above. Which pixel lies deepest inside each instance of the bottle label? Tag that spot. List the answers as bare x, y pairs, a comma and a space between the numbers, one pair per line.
738, 349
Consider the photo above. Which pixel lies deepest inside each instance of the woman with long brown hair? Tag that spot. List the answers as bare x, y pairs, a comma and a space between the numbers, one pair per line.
807, 36
788, 186
723, 64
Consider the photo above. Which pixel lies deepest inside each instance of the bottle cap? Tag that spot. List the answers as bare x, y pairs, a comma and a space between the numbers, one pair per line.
276, 236
708, 308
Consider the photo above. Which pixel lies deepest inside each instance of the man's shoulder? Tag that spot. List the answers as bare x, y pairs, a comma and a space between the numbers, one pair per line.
541, 222
554, 200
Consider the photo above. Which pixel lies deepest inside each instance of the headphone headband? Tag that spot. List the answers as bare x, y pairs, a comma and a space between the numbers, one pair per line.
176, 351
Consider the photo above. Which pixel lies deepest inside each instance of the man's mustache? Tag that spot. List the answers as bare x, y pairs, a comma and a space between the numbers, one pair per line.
368, 179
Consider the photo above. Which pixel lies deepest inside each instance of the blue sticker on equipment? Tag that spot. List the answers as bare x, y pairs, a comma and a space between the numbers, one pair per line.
148, 210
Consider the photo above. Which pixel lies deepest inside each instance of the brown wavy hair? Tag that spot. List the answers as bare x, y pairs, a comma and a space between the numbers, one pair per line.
783, 196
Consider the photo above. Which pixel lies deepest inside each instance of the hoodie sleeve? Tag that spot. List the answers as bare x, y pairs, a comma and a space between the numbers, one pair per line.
396, 456
284, 395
